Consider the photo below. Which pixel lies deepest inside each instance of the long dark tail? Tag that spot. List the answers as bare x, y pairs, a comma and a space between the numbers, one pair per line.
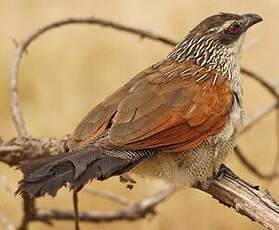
47, 175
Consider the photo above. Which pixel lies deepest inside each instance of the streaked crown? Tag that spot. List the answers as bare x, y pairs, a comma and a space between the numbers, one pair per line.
216, 42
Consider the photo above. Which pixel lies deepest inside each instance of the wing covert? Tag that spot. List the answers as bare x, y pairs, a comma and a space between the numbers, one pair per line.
171, 106
174, 116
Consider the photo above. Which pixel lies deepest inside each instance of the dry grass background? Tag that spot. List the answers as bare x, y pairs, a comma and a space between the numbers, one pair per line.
69, 70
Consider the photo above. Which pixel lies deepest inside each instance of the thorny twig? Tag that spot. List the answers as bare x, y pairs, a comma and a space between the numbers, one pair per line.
12, 153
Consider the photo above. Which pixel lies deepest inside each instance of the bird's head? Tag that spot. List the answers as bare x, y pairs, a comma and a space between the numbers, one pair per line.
225, 28
216, 38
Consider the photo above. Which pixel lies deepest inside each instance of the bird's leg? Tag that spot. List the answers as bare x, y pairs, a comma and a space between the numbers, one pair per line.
203, 185
218, 173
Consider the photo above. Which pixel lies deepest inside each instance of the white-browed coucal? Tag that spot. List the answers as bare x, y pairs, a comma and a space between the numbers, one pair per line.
176, 120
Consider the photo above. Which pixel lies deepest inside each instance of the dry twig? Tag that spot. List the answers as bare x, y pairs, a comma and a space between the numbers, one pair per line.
246, 199
135, 211
76, 211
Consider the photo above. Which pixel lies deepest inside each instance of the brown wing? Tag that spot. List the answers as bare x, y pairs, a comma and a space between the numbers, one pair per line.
171, 111
96, 120
99, 118
173, 106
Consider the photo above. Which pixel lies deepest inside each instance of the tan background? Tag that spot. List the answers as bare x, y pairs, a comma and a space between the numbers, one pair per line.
69, 70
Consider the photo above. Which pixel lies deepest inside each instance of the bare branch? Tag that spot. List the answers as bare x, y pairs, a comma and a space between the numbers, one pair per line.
76, 210
136, 211
19, 149
230, 190
131, 212
21, 47
96, 21
110, 196
246, 199
15, 107
10, 149
28, 213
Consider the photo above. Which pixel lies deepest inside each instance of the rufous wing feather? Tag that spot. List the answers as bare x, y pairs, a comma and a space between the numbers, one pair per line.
172, 115
165, 106
99, 118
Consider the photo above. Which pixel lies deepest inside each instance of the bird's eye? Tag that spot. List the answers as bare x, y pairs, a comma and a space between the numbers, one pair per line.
234, 29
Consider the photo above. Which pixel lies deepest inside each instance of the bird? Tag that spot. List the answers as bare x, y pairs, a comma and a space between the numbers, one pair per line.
176, 120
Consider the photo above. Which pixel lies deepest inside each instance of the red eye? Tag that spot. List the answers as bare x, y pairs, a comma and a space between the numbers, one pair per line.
234, 28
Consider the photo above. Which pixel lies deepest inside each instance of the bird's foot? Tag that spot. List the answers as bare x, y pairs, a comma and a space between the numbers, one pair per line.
223, 169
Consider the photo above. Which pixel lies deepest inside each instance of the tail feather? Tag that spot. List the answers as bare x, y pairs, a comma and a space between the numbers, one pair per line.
102, 169
29, 166
49, 184
47, 175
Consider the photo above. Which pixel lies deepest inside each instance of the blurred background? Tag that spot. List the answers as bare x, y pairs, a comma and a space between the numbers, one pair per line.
69, 70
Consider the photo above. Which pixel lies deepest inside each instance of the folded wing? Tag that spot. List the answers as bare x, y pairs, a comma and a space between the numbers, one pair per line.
171, 106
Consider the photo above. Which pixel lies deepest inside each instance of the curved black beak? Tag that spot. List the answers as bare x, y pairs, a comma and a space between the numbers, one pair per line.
251, 19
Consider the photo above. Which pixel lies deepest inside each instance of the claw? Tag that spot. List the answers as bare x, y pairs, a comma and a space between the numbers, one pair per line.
224, 170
